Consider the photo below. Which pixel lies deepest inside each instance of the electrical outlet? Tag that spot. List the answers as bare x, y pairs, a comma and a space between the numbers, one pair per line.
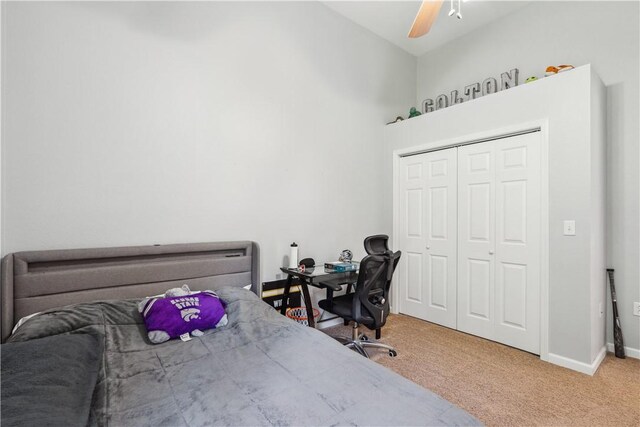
569, 227
600, 309
636, 308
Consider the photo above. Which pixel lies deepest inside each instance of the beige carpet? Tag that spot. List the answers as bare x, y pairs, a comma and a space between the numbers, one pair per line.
503, 386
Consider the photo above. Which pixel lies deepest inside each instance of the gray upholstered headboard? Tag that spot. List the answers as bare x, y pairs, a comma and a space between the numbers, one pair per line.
39, 280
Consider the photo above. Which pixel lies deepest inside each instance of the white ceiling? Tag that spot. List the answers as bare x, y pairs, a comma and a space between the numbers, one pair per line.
391, 20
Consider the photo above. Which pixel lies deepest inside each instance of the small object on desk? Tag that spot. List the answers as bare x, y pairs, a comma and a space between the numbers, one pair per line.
307, 262
293, 256
345, 256
341, 266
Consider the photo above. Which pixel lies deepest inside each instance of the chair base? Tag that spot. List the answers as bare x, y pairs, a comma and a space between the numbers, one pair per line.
359, 342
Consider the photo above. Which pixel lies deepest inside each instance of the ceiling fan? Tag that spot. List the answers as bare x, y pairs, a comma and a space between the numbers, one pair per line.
427, 15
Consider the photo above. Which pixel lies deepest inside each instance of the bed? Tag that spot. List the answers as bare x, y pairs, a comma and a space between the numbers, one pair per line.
259, 369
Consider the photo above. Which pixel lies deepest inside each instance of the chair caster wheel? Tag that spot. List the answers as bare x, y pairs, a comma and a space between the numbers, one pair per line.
393, 353
363, 337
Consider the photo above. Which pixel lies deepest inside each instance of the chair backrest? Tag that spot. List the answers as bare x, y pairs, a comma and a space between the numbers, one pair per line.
371, 299
376, 245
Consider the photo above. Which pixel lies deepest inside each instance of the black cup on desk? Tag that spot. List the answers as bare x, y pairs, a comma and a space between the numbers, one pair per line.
307, 262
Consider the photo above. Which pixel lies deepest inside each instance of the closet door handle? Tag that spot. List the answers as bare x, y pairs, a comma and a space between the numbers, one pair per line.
490, 252
428, 247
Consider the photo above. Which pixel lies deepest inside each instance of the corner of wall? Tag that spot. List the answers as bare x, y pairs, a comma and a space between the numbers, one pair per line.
628, 351
575, 365
2, 121
598, 212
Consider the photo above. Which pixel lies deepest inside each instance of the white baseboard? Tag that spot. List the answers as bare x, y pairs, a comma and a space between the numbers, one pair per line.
575, 365
629, 351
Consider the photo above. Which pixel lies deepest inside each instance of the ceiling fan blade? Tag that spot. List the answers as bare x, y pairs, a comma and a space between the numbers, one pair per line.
424, 19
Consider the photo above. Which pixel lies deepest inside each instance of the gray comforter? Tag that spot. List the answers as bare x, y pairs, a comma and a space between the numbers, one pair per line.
260, 369
49, 381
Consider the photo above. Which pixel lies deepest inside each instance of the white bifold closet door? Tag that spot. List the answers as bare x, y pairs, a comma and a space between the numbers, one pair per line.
428, 236
499, 240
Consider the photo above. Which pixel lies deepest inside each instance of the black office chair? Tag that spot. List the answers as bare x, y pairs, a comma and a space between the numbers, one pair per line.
368, 305
373, 245
378, 244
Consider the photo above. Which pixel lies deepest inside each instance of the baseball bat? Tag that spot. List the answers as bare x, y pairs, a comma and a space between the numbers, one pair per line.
618, 341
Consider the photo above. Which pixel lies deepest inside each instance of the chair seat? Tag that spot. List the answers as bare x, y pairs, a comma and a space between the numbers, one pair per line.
342, 306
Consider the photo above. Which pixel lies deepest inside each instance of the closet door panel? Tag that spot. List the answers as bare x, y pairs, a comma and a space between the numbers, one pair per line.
428, 236
411, 223
518, 242
441, 242
476, 241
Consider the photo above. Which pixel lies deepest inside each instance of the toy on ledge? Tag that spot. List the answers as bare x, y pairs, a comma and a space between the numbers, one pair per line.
398, 119
414, 113
551, 70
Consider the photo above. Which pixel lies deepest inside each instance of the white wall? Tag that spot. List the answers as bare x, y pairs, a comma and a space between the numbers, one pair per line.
605, 34
141, 123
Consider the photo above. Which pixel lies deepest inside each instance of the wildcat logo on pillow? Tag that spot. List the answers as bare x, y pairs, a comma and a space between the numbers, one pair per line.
189, 313
187, 307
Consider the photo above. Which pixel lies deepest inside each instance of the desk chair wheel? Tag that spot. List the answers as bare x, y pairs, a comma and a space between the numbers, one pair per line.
393, 353
363, 337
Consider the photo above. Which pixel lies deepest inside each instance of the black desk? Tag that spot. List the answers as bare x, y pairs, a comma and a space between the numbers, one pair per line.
309, 277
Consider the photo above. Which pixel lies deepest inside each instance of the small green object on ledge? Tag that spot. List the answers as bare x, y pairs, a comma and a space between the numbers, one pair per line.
413, 112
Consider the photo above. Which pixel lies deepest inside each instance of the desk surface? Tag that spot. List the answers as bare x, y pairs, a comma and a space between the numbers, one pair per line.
334, 278
316, 271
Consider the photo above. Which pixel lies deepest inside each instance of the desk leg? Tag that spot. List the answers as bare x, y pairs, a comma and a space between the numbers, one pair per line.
307, 303
285, 295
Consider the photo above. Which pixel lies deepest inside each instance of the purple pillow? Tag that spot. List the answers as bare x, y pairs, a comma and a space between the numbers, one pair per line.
169, 317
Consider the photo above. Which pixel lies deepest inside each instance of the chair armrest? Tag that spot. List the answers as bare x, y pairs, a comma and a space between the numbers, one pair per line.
333, 284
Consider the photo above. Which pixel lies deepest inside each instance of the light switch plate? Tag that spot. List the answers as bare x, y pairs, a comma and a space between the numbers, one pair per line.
569, 227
